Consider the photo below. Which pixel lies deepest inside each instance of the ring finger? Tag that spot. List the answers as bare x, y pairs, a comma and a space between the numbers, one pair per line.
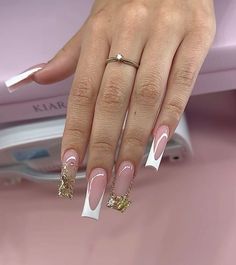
146, 100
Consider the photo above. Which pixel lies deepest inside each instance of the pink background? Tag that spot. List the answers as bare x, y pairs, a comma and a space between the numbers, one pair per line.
186, 214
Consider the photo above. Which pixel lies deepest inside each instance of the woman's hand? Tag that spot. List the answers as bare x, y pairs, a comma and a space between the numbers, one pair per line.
170, 40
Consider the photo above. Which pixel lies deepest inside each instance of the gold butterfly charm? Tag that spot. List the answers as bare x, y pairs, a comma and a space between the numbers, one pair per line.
120, 203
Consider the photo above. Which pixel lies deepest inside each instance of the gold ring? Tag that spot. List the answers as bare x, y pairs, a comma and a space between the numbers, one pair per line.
120, 58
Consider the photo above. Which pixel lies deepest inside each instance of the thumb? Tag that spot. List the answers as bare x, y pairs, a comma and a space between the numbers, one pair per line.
62, 65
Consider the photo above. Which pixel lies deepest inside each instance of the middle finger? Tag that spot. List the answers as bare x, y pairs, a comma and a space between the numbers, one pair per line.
110, 110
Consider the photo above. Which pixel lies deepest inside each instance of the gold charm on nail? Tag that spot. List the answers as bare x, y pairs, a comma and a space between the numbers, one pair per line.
120, 203
67, 182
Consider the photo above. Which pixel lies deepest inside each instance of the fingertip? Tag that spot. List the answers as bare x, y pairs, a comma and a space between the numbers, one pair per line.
57, 69
23, 78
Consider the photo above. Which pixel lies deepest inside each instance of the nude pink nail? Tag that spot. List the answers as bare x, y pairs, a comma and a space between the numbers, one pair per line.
124, 177
160, 141
95, 190
158, 145
119, 196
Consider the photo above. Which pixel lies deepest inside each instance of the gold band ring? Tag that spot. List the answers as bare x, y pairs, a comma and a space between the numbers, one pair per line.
120, 58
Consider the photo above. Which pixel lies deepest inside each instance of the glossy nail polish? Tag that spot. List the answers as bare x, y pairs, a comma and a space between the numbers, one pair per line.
95, 191
70, 163
158, 146
23, 78
123, 178
121, 187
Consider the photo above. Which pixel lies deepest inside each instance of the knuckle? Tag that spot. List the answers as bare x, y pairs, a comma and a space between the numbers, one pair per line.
208, 26
132, 19
112, 98
204, 26
175, 108
136, 138
205, 35
169, 20
134, 12
96, 23
148, 93
84, 91
100, 146
204, 19
74, 132
185, 76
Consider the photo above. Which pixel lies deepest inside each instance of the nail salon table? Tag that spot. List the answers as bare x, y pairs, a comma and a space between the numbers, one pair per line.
184, 215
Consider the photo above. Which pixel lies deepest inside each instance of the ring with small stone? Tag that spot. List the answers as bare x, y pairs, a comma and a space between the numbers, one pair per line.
120, 58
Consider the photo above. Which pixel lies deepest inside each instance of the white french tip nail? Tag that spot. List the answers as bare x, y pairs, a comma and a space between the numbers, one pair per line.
20, 77
151, 161
87, 211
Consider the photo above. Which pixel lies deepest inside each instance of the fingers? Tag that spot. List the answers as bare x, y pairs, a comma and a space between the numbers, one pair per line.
63, 64
147, 96
183, 74
110, 110
81, 102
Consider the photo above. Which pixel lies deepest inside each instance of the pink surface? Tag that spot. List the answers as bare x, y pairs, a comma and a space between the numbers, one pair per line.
184, 216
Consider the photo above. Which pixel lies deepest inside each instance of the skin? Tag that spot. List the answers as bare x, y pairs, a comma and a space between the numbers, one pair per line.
169, 38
